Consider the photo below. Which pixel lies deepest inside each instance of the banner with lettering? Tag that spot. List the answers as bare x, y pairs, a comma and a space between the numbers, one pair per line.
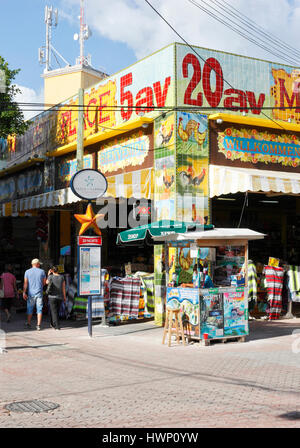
252, 145
220, 81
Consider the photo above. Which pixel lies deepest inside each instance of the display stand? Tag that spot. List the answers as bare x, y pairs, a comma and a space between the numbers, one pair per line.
289, 314
219, 313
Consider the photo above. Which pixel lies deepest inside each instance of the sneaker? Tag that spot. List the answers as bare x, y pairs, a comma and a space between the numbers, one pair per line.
27, 325
38, 327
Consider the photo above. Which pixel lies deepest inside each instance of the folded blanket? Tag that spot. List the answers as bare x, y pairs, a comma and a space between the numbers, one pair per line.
125, 296
97, 307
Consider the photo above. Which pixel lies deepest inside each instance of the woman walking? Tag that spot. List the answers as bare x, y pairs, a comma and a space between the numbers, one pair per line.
56, 291
9, 285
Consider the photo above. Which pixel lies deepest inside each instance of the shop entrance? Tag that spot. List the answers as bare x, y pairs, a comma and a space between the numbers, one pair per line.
279, 218
276, 216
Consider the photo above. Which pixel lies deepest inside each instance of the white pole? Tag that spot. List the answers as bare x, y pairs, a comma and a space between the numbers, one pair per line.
47, 12
81, 38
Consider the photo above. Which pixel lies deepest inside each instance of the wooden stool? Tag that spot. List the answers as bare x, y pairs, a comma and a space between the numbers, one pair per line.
171, 312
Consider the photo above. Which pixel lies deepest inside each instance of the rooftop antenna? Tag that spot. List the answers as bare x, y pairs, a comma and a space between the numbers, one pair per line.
83, 35
51, 20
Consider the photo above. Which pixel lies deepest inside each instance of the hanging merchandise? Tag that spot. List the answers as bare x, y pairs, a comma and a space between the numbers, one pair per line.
274, 283
293, 273
252, 282
42, 227
125, 297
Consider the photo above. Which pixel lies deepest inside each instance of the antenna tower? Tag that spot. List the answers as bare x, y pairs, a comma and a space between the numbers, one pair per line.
51, 20
84, 34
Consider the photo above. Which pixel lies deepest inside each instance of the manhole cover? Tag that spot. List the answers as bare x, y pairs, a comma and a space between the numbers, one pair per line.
31, 406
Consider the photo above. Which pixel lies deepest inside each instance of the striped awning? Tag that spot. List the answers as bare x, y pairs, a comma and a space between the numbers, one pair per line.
137, 184
6, 209
225, 180
45, 200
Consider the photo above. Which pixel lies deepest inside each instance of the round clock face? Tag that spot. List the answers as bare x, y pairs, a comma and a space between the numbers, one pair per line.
88, 184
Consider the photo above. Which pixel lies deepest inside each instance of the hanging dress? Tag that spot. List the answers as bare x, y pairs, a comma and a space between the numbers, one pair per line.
274, 283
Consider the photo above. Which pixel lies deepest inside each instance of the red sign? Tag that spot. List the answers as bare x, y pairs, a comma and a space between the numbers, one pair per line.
90, 241
234, 99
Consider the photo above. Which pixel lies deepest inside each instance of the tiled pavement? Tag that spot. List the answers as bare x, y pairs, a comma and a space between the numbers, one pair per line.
124, 377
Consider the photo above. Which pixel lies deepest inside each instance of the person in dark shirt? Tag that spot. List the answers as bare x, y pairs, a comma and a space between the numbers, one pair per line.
56, 291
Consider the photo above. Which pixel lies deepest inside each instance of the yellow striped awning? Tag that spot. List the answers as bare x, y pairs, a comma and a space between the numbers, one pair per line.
137, 184
225, 180
6, 209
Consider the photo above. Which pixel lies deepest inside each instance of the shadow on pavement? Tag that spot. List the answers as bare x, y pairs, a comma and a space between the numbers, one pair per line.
272, 329
294, 415
258, 329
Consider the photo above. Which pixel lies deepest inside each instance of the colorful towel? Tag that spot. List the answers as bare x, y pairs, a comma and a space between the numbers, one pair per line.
294, 282
274, 283
148, 287
252, 282
125, 296
80, 304
97, 307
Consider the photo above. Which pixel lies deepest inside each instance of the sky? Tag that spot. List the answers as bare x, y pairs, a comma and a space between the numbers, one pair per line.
124, 31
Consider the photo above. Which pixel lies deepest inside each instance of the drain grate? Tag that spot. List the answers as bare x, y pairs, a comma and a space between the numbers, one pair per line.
31, 406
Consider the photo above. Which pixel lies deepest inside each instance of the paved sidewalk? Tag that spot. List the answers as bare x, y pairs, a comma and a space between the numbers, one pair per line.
125, 377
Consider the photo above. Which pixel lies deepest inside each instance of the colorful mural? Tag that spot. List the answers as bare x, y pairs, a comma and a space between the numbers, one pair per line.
165, 166
192, 167
285, 93
251, 145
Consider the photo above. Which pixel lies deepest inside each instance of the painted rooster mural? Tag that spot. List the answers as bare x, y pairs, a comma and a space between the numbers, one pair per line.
197, 218
187, 178
191, 130
164, 136
167, 179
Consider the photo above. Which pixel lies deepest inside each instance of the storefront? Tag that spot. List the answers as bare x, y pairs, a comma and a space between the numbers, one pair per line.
156, 132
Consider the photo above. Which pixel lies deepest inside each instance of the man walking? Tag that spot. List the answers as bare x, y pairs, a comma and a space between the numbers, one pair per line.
34, 281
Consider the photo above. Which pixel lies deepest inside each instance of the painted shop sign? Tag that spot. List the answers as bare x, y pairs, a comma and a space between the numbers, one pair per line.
25, 184
66, 168
250, 145
133, 152
133, 92
215, 79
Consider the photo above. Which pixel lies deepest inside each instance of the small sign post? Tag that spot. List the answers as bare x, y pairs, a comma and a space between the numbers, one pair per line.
89, 184
89, 271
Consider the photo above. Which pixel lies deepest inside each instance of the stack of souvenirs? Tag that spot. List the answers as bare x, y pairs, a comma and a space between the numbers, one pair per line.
122, 298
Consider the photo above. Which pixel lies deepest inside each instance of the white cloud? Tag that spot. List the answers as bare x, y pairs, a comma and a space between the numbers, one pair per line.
134, 23
29, 95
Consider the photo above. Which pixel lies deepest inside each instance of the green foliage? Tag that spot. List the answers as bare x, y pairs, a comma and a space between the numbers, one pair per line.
11, 117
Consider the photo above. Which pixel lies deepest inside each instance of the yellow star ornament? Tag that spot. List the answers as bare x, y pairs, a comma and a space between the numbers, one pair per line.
89, 220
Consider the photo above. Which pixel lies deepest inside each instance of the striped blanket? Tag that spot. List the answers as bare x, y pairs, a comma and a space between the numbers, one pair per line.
80, 304
274, 283
97, 307
294, 282
125, 296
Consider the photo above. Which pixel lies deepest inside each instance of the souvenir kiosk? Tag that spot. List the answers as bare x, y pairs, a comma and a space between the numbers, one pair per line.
220, 312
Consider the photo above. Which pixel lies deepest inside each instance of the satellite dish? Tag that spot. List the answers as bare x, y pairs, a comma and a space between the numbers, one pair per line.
76, 36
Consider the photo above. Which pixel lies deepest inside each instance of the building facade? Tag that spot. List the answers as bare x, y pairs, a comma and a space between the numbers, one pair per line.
197, 135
